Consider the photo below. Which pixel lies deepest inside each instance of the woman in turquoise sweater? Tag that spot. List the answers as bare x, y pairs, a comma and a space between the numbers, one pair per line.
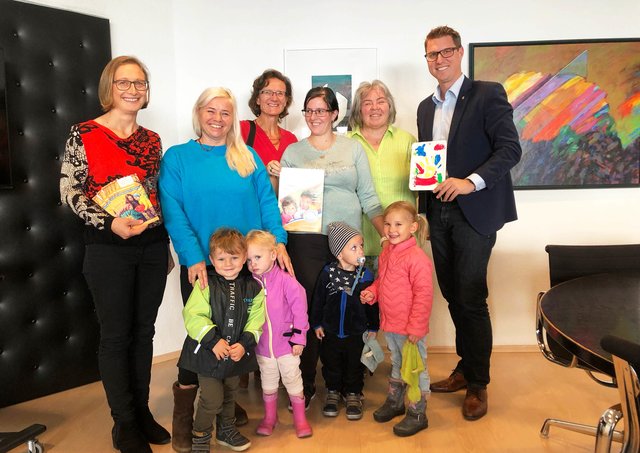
207, 183
388, 149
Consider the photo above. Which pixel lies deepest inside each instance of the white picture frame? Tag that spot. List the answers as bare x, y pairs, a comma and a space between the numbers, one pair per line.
301, 65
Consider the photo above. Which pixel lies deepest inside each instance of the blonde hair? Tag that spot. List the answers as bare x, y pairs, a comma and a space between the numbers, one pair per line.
105, 85
229, 240
239, 158
422, 233
262, 238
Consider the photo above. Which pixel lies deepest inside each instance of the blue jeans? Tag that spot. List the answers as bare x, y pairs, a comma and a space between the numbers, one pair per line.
395, 342
461, 256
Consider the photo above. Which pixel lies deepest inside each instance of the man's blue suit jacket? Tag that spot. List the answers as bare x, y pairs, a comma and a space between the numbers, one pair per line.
482, 140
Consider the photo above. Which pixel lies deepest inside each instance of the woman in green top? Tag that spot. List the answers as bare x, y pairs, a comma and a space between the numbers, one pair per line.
388, 150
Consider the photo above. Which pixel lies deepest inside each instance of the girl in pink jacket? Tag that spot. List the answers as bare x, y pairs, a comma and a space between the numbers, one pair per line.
284, 333
404, 291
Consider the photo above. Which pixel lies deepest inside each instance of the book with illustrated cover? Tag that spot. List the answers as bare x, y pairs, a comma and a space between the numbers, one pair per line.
125, 197
300, 199
428, 164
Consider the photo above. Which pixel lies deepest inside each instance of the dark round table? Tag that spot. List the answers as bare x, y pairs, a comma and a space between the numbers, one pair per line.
579, 312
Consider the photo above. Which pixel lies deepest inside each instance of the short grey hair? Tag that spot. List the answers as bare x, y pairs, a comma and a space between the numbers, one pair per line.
355, 119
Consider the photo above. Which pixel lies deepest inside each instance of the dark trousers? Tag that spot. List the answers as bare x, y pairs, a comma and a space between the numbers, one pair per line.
186, 377
461, 256
217, 403
127, 284
309, 253
341, 367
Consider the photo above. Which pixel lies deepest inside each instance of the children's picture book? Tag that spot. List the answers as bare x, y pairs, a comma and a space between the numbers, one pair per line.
428, 164
300, 199
125, 197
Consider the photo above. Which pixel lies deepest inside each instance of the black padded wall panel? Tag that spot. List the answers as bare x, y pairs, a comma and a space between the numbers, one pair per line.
48, 328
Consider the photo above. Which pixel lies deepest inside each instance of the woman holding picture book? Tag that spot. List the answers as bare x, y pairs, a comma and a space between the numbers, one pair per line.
348, 192
125, 263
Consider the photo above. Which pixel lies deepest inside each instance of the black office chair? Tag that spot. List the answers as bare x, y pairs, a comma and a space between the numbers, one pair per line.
626, 359
9, 441
567, 262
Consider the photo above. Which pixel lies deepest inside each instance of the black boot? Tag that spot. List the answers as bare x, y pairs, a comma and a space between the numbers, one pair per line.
414, 421
152, 430
127, 438
393, 405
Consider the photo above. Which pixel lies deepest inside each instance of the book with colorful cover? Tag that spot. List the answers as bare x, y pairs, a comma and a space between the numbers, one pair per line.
125, 197
300, 199
428, 164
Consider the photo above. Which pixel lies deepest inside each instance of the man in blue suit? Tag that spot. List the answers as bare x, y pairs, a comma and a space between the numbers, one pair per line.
467, 209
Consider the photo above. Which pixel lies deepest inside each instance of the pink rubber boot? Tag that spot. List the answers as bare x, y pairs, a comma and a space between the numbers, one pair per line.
299, 418
265, 428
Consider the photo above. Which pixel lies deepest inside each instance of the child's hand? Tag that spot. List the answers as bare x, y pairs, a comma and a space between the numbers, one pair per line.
221, 349
371, 335
320, 333
413, 339
236, 352
366, 297
297, 349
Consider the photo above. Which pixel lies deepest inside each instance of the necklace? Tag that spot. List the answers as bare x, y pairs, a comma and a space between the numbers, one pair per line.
275, 141
205, 148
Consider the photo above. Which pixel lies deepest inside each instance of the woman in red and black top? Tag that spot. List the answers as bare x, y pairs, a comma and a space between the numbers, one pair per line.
125, 263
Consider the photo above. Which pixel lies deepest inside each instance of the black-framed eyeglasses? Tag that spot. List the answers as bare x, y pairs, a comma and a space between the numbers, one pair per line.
320, 113
279, 94
445, 53
124, 85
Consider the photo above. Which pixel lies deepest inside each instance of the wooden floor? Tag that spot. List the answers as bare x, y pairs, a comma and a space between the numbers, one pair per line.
525, 390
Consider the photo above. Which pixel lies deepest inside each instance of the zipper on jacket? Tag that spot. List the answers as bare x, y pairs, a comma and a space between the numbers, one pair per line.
343, 308
263, 280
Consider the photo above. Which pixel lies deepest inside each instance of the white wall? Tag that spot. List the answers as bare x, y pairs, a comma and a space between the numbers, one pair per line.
189, 45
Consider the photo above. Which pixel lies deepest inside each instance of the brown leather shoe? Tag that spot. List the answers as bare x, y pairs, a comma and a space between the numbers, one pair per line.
453, 383
475, 404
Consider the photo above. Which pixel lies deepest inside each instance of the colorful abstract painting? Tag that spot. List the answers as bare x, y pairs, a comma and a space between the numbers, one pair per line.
576, 105
428, 166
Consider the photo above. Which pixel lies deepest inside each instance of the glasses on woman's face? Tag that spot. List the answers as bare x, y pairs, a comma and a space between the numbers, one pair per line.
276, 93
124, 85
320, 113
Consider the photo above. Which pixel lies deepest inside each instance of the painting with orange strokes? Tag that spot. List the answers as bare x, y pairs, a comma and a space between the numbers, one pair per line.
576, 105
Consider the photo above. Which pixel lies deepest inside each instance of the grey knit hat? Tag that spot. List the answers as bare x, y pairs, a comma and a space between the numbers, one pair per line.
339, 234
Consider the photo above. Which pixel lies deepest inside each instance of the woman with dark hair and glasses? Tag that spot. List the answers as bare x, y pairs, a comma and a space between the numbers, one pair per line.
348, 192
270, 100
125, 261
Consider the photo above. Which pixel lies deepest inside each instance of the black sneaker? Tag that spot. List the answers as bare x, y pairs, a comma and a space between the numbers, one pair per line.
354, 406
229, 436
201, 443
330, 408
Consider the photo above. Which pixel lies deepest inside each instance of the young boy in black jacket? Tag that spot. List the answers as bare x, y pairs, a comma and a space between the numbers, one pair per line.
224, 322
340, 320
